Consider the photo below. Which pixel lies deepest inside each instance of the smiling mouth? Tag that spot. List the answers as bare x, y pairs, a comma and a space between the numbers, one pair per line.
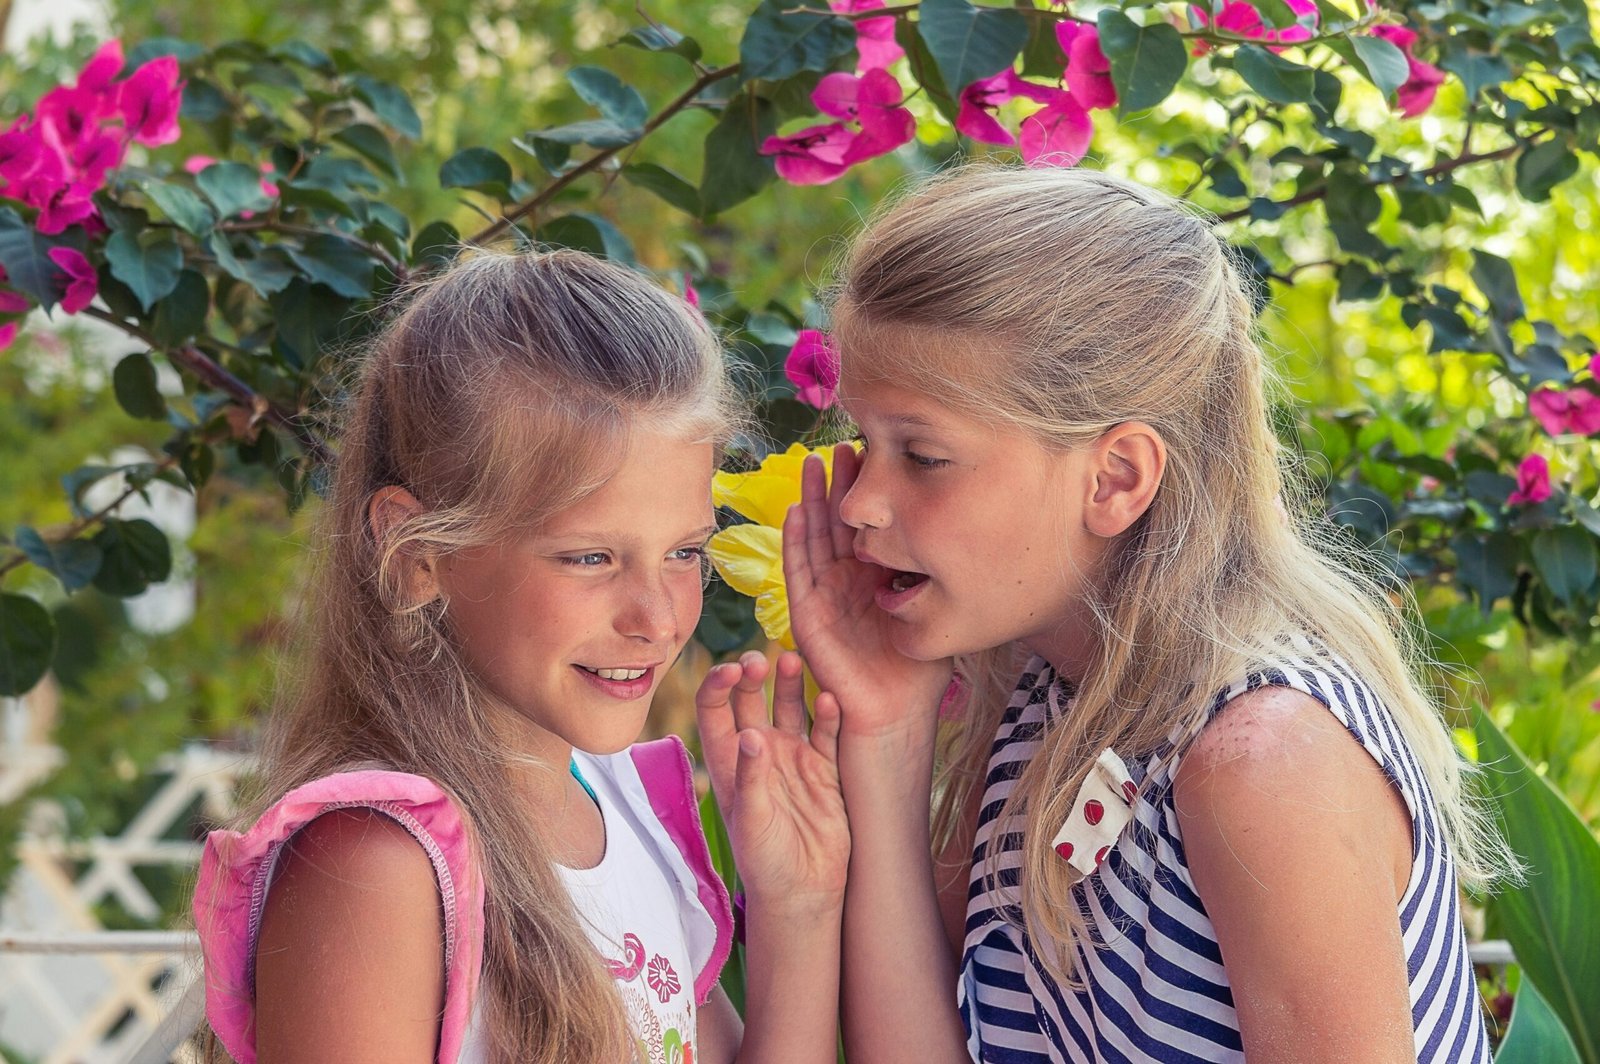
615, 674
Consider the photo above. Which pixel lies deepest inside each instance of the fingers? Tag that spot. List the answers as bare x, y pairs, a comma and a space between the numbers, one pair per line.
749, 695
753, 779
826, 716
846, 465
718, 735
814, 502
789, 694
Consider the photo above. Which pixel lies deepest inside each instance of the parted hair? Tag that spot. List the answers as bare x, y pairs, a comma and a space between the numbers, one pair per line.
1071, 301
501, 393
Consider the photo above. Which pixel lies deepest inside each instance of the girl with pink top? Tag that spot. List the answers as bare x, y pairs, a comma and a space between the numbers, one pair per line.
456, 851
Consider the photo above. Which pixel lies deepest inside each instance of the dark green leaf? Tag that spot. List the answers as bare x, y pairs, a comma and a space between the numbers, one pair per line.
389, 103
74, 562
1382, 62
1565, 558
968, 42
779, 41
1549, 919
136, 554
198, 462
587, 232
1325, 95
734, 170
183, 205
1450, 331
340, 176
1476, 70
25, 254
337, 263
134, 381
156, 47
618, 101
203, 102
1498, 282
1540, 363
1351, 199
27, 643
1535, 1036
437, 243
1543, 167
1274, 77
1146, 61
1486, 565
598, 133
476, 168
268, 272
659, 38
370, 142
182, 314
728, 620
148, 263
233, 187
664, 183
306, 55
308, 318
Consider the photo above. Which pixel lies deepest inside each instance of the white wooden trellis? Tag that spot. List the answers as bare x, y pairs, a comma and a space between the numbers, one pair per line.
71, 992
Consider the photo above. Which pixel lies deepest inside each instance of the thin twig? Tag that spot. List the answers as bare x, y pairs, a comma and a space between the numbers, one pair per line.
81, 523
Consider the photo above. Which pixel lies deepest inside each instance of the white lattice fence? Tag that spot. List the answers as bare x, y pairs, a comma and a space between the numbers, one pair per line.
71, 991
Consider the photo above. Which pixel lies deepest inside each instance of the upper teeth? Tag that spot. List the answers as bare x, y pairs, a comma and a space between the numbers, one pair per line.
617, 674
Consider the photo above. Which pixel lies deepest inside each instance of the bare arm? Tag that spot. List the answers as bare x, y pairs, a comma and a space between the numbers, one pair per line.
1300, 849
350, 962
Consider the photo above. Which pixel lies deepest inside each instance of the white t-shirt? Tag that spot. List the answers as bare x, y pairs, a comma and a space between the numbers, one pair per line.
640, 915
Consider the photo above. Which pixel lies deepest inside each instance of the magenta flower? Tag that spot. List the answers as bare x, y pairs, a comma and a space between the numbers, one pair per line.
1576, 411
1422, 84
1088, 69
1057, 134
870, 103
13, 303
60, 205
813, 156
20, 151
102, 67
875, 42
661, 978
979, 102
149, 102
8, 334
690, 295
1244, 20
1533, 481
812, 365
82, 281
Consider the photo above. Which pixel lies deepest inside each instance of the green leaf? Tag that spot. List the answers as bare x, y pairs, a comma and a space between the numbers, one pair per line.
734, 170
1549, 919
330, 173
182, 314
1476, 70
268, 272
148, 263
233, 187
27, 643
308, 56
1382, 62
659, 38
967, 42
73, 562
1565, 558
1543, 167
1486, 564
337, 263
779, 41
137, 554
25, 254
1498, 282
436, 244
370, 142
587, 232
308, 318
597, 133
134, 381
664, 183
1535, 1035
1274, 77
1146, 61
389, 103
617, 101
728, 620
481, 169
183, 205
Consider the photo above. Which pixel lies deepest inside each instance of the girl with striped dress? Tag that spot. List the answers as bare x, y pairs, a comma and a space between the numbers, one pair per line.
1189, 798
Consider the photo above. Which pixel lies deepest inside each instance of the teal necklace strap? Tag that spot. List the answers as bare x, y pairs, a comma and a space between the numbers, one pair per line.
572, 767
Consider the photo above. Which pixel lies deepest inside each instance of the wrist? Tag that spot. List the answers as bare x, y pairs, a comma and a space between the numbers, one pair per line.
792, 905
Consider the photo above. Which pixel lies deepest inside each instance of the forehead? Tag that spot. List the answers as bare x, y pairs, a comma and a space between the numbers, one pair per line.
886, 405
660, 481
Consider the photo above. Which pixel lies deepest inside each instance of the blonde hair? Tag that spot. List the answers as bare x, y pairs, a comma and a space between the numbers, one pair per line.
501, 394
1069, 301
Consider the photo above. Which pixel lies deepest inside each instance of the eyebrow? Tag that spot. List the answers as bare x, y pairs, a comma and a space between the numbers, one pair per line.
591, 534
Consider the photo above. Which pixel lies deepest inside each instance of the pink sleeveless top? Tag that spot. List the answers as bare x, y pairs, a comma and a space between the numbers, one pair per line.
237, 869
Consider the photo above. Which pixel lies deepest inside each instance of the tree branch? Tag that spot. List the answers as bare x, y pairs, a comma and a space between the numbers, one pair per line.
595, 161
81, 523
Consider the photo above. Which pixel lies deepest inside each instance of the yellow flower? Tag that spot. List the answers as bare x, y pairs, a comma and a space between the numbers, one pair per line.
750, 557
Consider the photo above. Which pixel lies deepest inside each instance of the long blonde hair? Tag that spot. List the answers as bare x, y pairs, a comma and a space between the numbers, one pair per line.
1073, 301
497, 397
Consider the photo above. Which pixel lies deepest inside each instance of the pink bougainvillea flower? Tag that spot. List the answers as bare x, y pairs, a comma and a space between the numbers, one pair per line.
1088, 69
1423, 80
1560, 412
82, 281
875, 42
60, 206
13, 302
690, 295
1594, 365
1533, 481
813, 156
195, 163
105, 64
8, 334
1244, 20
149, 100
20, 151
1057, 134
980, 101
65, 115
813, 366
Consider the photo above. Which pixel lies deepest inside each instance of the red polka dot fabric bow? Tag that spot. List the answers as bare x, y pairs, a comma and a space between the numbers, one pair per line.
1104, 807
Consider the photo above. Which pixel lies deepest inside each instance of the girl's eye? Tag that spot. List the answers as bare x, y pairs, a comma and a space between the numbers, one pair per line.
922, 461
592, 560
689, 554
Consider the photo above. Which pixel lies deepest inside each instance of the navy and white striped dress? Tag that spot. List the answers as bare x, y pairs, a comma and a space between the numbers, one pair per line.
1156, 989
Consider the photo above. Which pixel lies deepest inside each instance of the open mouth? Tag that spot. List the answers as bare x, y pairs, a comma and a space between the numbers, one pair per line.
904, 580
613, 673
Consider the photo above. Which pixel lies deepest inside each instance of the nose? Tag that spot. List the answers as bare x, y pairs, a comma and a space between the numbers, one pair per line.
865, 505
648, 613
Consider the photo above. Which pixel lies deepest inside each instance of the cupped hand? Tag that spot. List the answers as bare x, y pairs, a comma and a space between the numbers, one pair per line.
837, 623
776, 783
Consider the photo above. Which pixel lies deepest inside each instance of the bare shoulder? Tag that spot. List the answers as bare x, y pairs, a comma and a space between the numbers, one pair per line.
350, 960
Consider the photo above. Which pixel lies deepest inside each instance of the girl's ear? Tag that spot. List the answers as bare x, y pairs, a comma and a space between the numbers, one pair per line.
387, 509
1126, 464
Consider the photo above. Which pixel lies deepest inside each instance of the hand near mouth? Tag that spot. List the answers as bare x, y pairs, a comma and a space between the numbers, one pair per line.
840, 629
